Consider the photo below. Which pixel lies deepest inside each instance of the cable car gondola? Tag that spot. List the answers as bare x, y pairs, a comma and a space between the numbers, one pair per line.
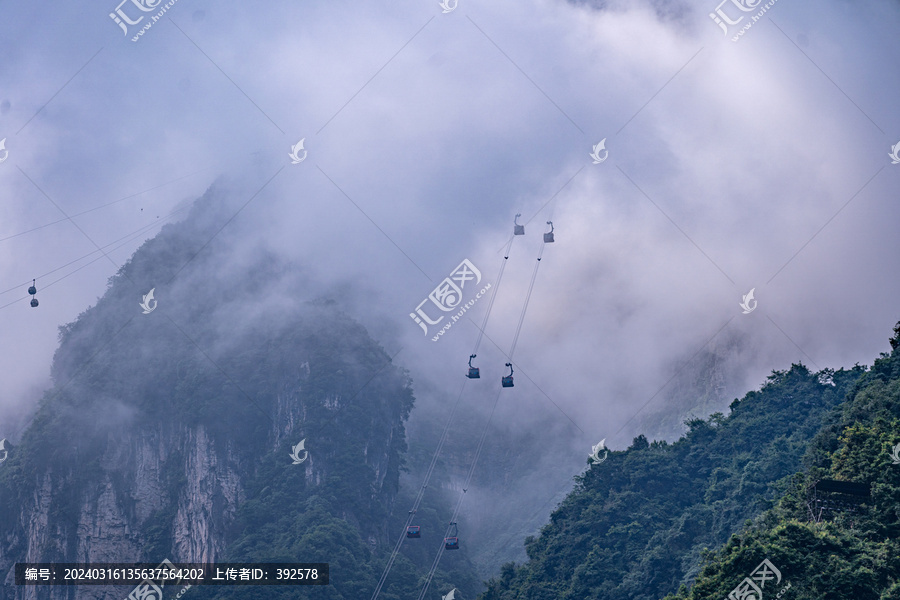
413, 531
518, 229
548, 237
33, 290
452, 542
507, 380
474, 372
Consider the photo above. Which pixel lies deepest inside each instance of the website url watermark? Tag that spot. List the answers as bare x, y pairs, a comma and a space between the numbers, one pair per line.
447, 297
123, 20
725, 22
457, 316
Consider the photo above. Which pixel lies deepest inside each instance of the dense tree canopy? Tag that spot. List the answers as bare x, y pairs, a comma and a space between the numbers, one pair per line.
643, 523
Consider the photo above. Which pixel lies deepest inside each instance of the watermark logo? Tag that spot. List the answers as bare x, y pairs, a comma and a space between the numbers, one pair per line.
596, 153
751, 588
295, 452
123, 20
721, 18
450, 596
149, 590
4, 450
4, 153
595, 452
148, 298
895, 153
146, 590
447, 297
449, 5
895, 455
296, 159
747, 299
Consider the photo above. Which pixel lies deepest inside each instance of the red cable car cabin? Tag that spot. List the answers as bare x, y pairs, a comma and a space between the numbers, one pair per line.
452, 542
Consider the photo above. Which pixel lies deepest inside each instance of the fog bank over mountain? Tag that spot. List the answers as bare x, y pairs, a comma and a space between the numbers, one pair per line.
761, 164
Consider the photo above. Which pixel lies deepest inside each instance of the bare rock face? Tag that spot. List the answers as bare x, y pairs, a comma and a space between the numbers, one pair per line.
213, 493
113, 512
160, 427
162, 489
120, 514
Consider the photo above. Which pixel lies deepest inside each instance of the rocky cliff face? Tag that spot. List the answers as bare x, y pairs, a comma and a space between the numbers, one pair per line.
167, 435
164, 489
112, 511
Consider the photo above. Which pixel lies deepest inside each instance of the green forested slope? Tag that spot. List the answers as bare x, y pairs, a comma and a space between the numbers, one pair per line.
637, 525
840, 553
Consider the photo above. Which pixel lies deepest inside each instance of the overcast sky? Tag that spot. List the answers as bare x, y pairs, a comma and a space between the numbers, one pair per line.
758, 164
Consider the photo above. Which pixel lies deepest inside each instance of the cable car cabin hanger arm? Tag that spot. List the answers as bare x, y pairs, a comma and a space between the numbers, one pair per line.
474, 372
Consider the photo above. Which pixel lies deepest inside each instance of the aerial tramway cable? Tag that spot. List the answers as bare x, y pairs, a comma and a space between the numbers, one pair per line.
452, 525
473, 374
537, 264
507, 381
112, 245
418, 500
487, 313
548, 238
437, 558
517, 230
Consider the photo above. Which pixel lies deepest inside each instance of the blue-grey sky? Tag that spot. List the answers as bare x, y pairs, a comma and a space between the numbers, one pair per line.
761, 163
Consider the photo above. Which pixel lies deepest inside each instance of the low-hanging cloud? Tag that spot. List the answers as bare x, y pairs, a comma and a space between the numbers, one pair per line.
731, 166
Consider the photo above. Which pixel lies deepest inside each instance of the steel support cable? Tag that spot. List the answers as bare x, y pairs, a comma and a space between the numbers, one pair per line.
130, 237
531, 286
419, 496
471, 472
126, 237
434, 565
437, 558
525, 307
434, 458
390, 563
493, 294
